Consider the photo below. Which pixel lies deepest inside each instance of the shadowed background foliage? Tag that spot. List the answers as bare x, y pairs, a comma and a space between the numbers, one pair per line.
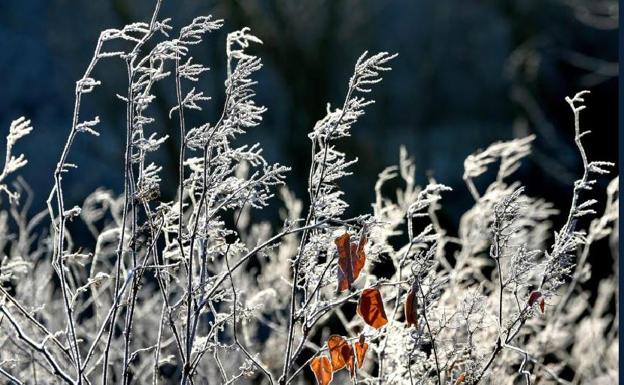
468, 73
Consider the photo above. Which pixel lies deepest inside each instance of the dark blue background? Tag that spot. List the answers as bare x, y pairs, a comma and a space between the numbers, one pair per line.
455, 86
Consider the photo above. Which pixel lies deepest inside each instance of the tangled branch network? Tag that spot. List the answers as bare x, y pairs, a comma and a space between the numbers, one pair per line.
192, 291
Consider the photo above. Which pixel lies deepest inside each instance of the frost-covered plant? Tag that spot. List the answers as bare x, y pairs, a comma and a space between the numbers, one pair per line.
192, 291
19, 128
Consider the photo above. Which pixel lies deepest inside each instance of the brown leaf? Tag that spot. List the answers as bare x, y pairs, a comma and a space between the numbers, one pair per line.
341, 353
542, 303
534, 296
360, 351
351, 260
411, 308
371, 308
460, 379
322, 369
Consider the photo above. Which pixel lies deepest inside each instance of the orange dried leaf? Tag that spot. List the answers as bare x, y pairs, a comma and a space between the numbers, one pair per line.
340, 352
358, 259
370, 307
351, 260
411, 308
349, 357
345, 269
460, 379
342, 243
322, 369
360, 351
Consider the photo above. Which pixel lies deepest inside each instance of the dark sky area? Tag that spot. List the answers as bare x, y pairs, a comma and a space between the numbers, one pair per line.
469, 73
